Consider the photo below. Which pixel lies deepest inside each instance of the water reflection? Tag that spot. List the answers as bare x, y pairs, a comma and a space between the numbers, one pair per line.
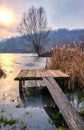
7, 62
77, 99
31, 100
31, 97
12, 64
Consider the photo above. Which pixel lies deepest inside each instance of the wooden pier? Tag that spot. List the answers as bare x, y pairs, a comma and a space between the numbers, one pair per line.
30, 75
48, 77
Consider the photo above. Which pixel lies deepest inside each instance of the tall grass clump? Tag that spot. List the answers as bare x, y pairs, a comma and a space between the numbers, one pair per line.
71, 61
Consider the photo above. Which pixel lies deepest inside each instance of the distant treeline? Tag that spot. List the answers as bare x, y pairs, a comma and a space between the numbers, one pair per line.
56, 37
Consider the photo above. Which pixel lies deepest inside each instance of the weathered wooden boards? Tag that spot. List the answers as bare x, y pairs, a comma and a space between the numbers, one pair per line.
70, 115
38, 74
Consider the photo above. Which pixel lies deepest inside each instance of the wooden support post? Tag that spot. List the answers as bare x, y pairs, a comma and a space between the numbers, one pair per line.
20, 86
23, 82
70, 115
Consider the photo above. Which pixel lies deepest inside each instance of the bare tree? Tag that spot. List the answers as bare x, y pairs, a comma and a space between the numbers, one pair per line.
34, 28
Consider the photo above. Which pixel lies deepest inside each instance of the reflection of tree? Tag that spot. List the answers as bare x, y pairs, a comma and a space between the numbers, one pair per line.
30, 96
46, 97
75, 98
80, 96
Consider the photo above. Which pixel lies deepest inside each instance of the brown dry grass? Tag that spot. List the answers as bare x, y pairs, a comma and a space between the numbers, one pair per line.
71, 61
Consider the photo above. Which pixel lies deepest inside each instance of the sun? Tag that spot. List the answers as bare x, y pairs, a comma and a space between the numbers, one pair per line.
5, 17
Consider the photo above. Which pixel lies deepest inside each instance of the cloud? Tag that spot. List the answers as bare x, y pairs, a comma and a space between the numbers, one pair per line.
1, 26
60, 13
7, 31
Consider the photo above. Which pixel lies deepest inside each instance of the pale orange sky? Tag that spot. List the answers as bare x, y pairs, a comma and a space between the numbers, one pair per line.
60, 13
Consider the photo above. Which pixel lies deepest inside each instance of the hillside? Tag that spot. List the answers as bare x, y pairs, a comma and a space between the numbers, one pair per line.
60, 36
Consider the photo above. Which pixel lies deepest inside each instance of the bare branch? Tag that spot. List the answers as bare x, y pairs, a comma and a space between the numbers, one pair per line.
34, 28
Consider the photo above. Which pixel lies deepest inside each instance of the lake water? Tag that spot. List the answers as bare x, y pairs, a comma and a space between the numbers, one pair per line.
9, 94
12, 64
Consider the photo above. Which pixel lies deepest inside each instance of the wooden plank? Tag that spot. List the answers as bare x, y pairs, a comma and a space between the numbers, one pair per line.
62, 74
22, 74
45, 73
25, 73
71, 117
38, 74
53, 73
58, 73
31, 73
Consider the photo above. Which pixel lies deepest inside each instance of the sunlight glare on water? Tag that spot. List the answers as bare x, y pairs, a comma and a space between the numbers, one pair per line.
9, 91
12, 64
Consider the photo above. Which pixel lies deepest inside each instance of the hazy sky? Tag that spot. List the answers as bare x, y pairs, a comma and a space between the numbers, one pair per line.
60, 13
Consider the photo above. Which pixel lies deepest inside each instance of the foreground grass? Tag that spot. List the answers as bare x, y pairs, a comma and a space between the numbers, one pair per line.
71, 61
62, 128
11, 124
6, 121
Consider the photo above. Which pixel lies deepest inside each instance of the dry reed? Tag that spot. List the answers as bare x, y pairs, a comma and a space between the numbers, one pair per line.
71, 61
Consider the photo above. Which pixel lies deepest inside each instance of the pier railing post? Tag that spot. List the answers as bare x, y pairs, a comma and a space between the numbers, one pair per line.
20, 86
